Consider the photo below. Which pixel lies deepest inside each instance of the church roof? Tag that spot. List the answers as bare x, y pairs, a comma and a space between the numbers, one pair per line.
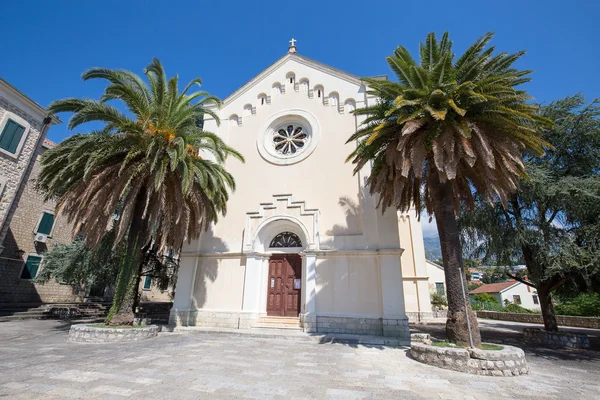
302, 60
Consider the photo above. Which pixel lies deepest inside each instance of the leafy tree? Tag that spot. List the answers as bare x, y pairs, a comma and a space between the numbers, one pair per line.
77, 265
485, 298
553, 223
494, 275
147, 164
446, 130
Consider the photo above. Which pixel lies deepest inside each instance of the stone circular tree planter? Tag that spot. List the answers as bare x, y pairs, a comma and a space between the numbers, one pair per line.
556, 339
510, 361
87, 333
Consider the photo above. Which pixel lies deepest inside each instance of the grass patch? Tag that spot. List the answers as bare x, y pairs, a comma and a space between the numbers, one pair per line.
484, 346
118, 326
444, 343
488, 346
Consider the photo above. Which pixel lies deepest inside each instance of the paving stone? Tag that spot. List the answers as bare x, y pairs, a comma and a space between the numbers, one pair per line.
188, 366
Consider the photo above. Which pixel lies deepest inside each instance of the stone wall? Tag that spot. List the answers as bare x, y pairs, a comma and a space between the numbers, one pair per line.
213, 319
556, 339
12, 170
563, 320
20, 235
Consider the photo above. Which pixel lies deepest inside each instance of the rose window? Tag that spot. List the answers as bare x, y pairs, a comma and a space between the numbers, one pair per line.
290, 139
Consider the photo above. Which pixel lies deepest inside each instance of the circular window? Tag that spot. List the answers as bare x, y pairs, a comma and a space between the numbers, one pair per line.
289, 137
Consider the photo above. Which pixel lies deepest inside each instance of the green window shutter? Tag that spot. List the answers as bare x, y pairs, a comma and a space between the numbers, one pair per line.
31, 267
147, 282
11, 136
46, 223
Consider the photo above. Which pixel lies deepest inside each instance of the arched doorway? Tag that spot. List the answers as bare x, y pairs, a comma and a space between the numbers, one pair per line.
284, 286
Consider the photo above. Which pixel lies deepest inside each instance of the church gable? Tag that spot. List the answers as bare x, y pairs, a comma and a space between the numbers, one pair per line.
294, 73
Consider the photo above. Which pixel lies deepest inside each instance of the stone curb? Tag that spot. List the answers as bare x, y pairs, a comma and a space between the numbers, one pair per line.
297, 335
509, 361
85, 333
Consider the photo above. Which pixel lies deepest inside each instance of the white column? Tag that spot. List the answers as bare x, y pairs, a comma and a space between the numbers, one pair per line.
310, 260
395, 322
392, 290
253, 283
183, 301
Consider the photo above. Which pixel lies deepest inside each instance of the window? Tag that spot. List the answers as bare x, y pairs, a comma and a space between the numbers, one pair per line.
147, 282
319, 93
286, 239
289, 139
516, 299
32, 264
11, 136
46, 223
439, 288
535, 299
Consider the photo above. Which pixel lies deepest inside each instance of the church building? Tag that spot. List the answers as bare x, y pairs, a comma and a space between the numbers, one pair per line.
302, 240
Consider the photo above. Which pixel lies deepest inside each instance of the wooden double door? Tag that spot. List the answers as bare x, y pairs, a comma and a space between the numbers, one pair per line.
284, 286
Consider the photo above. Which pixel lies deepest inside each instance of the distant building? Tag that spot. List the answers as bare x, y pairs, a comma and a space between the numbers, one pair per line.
511, 291
476, 274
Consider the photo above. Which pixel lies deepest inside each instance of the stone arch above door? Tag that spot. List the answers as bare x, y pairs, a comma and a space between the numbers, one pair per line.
283, 214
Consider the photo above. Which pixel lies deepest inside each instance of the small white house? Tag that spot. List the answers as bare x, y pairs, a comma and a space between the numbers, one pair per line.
436, 278
513, 291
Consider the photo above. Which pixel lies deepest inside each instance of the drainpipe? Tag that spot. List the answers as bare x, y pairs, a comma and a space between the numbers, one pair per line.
15, 200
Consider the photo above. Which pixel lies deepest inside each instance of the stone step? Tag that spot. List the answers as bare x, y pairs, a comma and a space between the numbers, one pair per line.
289, 323
275, 326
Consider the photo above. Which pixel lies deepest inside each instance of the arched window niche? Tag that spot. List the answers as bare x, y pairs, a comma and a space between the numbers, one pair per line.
285, 239
318, 92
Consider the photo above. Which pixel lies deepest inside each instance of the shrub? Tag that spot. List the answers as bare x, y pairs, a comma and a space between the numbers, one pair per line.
485, 298
585, 305
438, 300
515, 308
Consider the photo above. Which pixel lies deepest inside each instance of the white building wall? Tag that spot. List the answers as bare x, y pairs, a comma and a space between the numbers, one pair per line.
347, 242
525, 292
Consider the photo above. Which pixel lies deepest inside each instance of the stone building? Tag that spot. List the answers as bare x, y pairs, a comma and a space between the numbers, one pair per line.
23, 127
302, 238
33, 230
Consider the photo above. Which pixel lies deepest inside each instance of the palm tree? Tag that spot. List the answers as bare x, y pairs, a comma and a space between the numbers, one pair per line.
143, 173
447, 130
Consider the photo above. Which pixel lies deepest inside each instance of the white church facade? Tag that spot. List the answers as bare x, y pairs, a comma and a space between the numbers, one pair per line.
302, 237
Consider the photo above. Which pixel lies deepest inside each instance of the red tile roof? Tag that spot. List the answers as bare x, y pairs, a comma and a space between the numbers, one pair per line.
49, 143
493, 287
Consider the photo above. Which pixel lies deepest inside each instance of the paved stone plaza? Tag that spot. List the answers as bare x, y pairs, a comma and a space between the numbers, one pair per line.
37, 362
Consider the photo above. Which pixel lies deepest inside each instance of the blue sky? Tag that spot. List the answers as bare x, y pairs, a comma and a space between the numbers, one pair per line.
49, 44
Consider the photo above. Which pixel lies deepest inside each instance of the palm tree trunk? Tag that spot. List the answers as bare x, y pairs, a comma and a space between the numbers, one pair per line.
456, 324
121, 311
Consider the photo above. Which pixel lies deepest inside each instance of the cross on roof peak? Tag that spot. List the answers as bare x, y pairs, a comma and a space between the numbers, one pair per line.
292, 48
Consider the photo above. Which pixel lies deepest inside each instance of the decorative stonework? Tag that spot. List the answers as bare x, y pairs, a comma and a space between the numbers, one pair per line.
293, 216
509, 361
288, 137
85, 333
556, 339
